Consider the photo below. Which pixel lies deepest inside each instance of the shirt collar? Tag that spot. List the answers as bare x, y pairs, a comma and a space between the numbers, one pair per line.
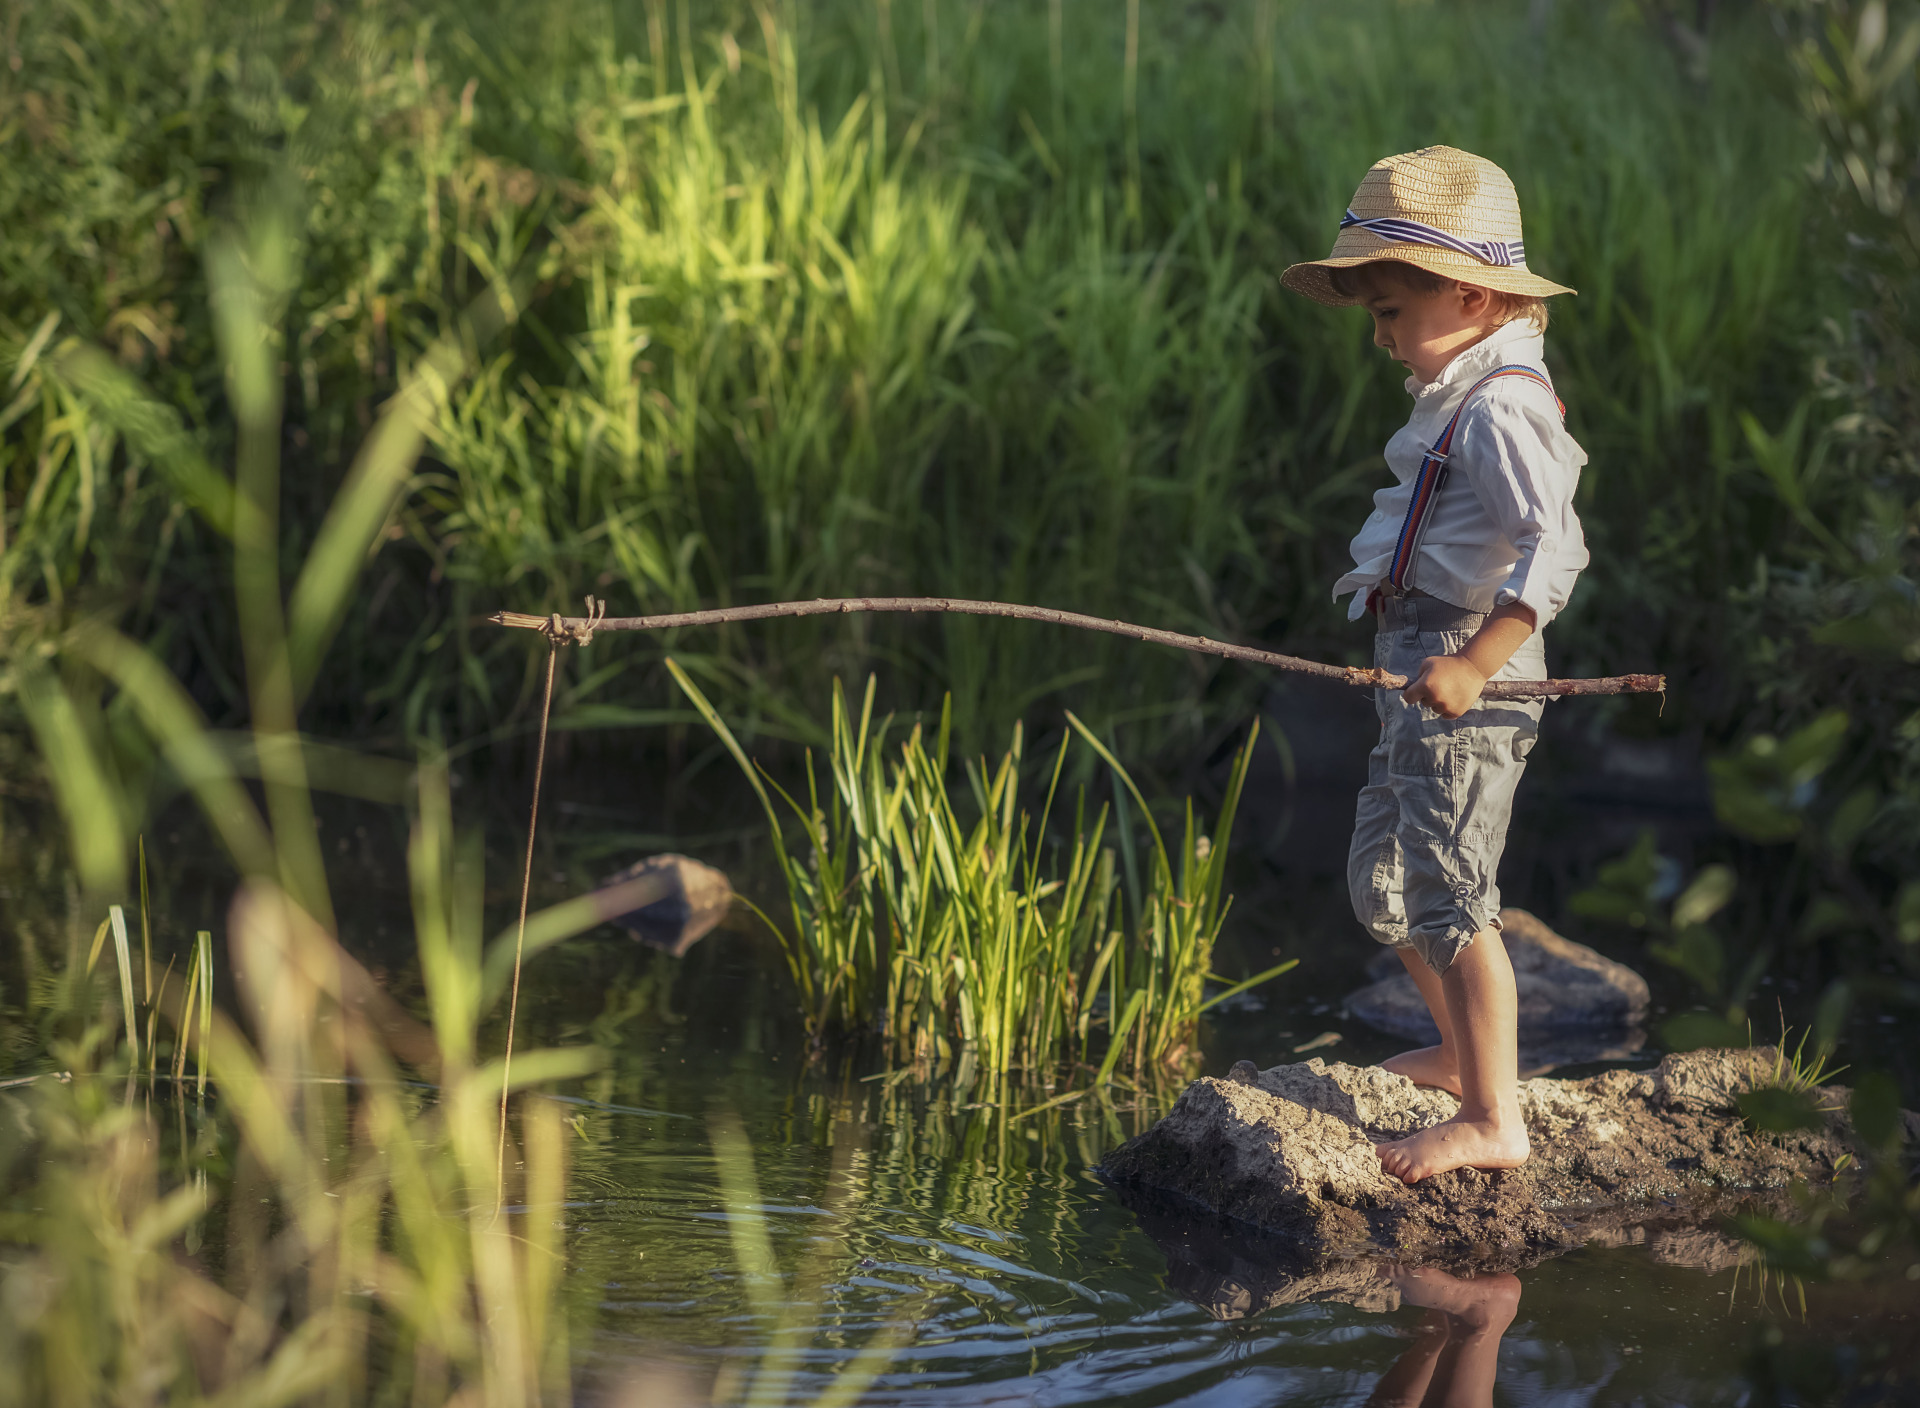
1517, 341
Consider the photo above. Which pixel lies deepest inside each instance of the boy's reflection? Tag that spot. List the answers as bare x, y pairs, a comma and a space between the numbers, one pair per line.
1452, 1360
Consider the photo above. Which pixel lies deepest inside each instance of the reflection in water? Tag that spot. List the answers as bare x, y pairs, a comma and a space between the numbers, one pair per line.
1235, 1272
1456, 1351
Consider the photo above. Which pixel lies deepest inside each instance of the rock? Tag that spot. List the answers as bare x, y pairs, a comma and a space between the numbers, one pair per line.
668, 901
1292, 1154
1575, 1004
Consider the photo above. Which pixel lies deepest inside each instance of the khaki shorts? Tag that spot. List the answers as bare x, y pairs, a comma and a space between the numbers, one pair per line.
1432, 819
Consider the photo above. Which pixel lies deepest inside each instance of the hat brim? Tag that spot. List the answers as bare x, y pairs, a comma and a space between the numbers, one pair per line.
1313, 280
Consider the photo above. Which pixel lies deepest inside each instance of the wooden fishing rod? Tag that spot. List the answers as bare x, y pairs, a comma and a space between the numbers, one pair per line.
580, 630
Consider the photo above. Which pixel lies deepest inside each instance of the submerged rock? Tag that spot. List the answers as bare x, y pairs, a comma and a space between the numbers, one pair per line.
1291, 1152
1575, 1004
668, 901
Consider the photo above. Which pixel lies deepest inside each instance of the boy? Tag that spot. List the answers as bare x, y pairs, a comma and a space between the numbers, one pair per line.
1466, 558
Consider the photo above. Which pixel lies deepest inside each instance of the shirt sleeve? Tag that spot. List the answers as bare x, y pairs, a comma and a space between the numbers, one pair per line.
1524, 468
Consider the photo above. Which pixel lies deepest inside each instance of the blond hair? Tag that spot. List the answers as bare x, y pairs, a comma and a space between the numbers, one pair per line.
1507, 307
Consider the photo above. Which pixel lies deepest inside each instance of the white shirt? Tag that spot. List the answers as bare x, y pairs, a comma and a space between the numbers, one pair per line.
1503, 529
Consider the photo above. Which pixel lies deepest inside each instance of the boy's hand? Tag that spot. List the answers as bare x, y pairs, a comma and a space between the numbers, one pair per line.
1450, 684
1447, 684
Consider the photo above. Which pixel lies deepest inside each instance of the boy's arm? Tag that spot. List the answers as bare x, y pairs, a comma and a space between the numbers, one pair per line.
1450, 684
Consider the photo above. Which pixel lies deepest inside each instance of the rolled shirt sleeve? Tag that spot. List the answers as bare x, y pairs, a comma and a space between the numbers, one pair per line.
1524, 468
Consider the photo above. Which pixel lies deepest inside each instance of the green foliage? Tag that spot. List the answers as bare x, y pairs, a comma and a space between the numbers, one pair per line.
1831, 762
1875, 1109
1859, 1227
957, 942
1696, 951
1762, 790
793, 312
1626, 889
1642, 889
1775, 1109
367, 1253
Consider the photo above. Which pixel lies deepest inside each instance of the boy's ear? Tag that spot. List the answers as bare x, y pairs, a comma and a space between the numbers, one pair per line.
1475, 301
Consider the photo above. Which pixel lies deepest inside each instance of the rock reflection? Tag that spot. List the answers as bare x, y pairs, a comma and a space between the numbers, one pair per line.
1234, 1271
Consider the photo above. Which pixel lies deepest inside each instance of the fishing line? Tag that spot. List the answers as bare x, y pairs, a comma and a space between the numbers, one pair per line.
520, 933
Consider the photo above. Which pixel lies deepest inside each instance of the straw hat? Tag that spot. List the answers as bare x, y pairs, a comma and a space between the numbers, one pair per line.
1447, 211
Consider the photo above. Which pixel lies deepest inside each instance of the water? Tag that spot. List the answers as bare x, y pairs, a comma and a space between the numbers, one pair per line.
997, 1268
1021, 1278
957, 1254
994, 1266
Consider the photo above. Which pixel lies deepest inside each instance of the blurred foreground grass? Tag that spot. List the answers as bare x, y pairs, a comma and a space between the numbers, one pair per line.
306, 1221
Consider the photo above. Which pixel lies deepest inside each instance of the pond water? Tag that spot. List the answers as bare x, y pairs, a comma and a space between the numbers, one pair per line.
1024, 1279
966, 1256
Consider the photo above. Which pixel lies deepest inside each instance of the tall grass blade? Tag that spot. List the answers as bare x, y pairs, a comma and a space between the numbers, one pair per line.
203, 968
1146, 813
1117, 1040
1252, 982
123, 956
146, 927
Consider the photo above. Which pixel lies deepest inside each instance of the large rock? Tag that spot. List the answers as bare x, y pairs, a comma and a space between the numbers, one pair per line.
1291, 1152
1575, 1004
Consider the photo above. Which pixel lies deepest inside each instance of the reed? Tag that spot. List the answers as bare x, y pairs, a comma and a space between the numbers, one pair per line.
962, 944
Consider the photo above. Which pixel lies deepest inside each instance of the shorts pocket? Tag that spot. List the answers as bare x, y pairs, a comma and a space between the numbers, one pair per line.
1424, 745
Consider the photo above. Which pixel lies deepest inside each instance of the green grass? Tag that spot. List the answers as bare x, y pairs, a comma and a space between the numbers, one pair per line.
363, 1246
842, 298
962, 943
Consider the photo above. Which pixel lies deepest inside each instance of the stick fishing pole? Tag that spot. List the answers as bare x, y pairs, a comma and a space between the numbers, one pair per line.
581, 630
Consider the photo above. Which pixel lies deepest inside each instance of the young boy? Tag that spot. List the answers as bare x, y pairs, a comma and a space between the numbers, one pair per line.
1467, 556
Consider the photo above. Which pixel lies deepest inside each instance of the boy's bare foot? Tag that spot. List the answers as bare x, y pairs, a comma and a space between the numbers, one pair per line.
1456, 1143
1430, 1065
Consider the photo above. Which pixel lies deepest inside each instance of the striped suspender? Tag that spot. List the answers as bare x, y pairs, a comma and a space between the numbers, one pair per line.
1432, 478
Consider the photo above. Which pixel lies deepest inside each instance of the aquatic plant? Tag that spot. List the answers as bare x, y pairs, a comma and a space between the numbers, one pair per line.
956, 942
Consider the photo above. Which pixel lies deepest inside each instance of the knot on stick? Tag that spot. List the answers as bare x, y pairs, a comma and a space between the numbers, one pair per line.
561, 630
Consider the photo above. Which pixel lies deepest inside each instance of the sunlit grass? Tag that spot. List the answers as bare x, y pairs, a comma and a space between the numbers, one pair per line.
838, 298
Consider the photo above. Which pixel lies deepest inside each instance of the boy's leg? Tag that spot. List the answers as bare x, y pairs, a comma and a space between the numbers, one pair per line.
1405, 1384
1487, 1132
1455, 781
1375, 879
1437, 1066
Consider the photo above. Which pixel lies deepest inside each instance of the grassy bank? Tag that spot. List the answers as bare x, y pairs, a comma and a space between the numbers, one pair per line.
853, 297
